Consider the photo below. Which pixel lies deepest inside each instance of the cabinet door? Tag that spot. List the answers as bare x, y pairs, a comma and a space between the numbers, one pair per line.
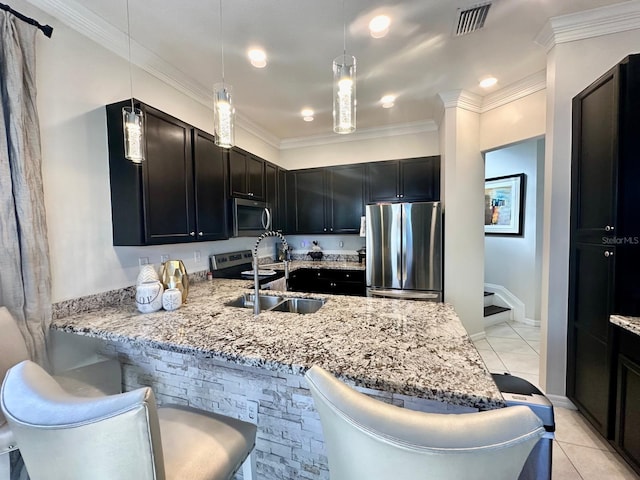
590, 284
628, 411
420, 179
168, 180
255, 177
238, 172
345, 198
281, 213
594, 153
271, 193
305, 191
210, 179
382, 181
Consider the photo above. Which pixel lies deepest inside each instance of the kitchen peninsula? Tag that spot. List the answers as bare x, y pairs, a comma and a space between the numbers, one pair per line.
222, 358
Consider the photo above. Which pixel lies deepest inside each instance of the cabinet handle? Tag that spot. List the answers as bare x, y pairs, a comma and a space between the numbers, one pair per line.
347, 275
609, 228
325, 229
402, 195
331, 229
193, 234
608, 254
201, 234
250, 194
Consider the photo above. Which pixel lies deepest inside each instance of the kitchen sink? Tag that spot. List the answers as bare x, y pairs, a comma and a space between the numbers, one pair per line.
246, 301
299, 305
274, 303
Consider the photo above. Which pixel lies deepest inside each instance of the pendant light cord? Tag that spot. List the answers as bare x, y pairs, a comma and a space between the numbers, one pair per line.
344, 32
129, 44
221, 44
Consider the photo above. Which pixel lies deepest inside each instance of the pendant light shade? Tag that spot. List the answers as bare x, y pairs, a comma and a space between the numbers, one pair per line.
132, 118
133, 122
223, 115
344, 94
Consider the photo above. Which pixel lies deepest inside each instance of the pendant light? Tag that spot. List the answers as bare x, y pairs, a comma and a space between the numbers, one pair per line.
132, 118
344, 88
223, 109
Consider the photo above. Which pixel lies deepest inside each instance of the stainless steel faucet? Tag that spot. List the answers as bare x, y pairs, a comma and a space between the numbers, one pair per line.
256, 281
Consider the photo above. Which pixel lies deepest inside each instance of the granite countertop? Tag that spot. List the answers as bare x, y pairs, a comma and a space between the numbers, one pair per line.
413, 348
631, 324
329, 264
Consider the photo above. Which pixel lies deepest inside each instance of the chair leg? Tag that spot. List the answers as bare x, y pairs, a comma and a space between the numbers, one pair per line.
5, 466
249, 467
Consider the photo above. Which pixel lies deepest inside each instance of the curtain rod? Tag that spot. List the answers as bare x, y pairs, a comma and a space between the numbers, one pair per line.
46, 29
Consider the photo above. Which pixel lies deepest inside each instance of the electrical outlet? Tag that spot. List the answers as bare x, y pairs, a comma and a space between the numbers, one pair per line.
164, 257
302, 243
252, 411
196, 256
143, 261
341, 244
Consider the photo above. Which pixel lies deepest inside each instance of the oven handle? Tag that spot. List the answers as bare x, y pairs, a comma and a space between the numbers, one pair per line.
267, 226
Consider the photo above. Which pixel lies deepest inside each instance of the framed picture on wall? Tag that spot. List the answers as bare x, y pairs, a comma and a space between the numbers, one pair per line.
504, 205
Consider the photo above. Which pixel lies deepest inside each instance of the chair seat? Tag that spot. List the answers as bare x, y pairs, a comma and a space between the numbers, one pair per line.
215, 445
7, 442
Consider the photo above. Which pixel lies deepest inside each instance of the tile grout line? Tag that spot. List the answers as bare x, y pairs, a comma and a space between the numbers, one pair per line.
568, 458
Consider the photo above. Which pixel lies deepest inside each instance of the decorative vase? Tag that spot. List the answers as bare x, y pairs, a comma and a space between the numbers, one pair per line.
147, 274
173, 274
171, 299
149, 296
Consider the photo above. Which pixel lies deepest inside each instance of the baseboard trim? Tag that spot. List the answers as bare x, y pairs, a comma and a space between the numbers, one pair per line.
531, 322
478, 336
561, 401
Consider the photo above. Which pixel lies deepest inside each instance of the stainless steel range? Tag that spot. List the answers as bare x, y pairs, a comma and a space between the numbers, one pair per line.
238, 265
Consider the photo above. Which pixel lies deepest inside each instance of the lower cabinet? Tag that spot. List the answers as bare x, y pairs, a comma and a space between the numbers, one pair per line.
627, 433
336, 282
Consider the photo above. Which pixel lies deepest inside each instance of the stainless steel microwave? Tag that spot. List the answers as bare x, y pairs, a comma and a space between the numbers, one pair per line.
250, 218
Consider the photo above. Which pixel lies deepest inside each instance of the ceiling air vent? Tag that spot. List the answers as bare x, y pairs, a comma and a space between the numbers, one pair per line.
471, 19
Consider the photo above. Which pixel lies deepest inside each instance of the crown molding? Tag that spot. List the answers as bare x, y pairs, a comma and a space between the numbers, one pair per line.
528, 85
256, 130
362, 134
590, 23
462, 99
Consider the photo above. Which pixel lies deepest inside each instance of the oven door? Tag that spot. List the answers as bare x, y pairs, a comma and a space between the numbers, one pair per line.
250, 218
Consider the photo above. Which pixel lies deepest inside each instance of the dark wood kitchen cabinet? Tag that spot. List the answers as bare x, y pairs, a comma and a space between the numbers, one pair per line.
246, 175
604, 230
407, 180
325, 200
324, 280
173, 196
273, 184
627, 433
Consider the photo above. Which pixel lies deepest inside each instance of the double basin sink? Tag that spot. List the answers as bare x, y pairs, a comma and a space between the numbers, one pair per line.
276, 303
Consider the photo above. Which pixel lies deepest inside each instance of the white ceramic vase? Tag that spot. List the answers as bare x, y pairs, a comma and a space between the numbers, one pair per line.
147, 274
149, 296
171, 299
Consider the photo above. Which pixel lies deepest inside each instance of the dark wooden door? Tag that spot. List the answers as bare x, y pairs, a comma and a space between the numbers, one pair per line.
237, 172
627, 433
210, 180
305, 192
420, 179
168, 179
382, 181
271, 193
345, 198
281, 212
255, 177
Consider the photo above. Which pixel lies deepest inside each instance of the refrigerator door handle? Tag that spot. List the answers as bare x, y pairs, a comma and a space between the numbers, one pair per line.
404, 213
401, 257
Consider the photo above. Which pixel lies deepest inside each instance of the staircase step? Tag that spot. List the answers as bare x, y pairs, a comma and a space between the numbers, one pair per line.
486, 294
494, 309
488, 298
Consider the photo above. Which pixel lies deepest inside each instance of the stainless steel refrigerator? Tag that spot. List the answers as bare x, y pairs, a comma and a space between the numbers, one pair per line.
404, 250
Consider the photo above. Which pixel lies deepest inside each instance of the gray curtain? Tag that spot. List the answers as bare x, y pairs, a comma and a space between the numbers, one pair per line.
25, 278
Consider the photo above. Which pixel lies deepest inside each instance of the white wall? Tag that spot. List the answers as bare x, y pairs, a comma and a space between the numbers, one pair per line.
519, 120
422, 144
510, 261
570, 68
76, 78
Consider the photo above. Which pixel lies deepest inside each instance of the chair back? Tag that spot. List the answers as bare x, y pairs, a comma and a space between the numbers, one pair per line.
366, 438
63, 437
13, 349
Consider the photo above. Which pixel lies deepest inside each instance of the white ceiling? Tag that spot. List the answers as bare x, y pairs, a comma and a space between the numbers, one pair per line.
418, 59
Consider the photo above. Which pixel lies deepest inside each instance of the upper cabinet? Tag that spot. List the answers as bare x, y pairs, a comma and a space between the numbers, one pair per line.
325, 200
407, 180
174, 195
246, 175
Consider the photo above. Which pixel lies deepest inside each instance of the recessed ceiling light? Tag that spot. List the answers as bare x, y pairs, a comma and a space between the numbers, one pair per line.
488, 82
388, 101
379, 26
307, 114
258, 57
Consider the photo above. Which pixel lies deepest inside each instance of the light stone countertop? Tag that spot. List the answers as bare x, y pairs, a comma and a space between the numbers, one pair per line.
631, 324
414, 348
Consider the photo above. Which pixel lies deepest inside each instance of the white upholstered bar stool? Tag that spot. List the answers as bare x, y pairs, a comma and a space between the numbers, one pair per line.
368, 439
119, 437
97, 379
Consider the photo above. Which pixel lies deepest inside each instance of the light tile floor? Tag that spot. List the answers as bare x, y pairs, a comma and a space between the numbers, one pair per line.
579, 452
